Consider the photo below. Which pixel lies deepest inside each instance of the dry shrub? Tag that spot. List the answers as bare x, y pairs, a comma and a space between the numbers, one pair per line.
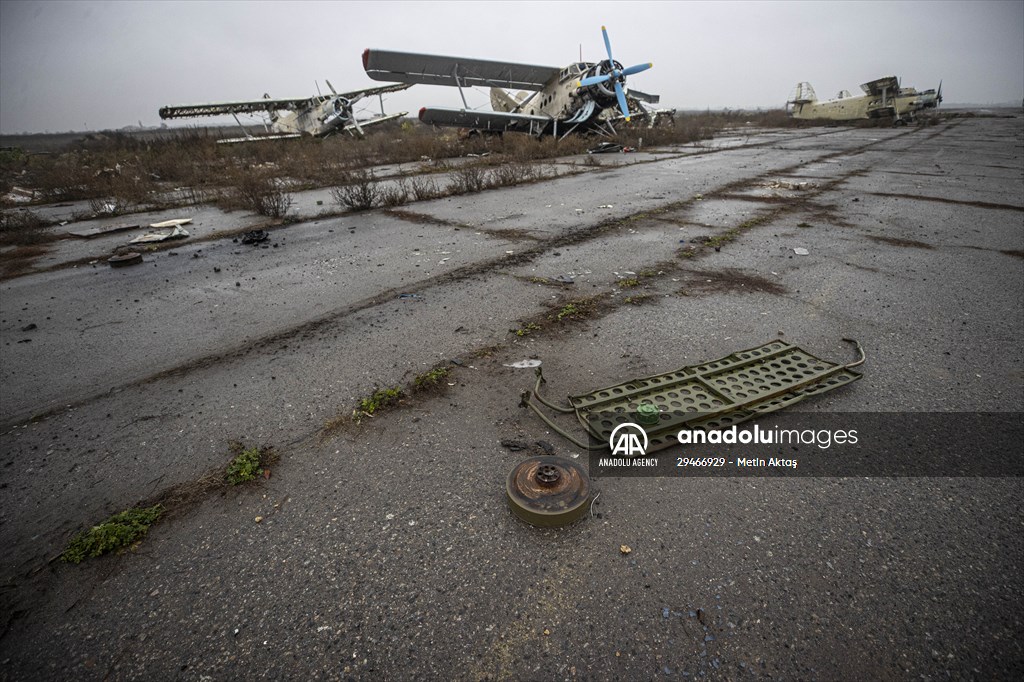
468, 179
21, 228
423, 188
513, 174
257, 190
394, 193
360, 194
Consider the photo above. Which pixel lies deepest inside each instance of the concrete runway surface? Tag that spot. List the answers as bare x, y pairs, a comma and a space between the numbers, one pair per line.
385, 550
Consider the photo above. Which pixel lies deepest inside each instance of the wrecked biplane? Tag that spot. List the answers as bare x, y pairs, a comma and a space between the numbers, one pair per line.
882, 98
563, 100
318, 116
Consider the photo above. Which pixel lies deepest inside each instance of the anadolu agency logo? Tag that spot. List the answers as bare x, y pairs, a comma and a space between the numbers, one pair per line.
626, 440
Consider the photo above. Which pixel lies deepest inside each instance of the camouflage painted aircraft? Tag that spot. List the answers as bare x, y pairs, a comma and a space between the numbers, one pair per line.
319, 115
882, 98
551, 100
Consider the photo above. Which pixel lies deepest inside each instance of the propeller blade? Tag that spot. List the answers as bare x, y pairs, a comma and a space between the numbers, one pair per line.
636, 69
607, 44
621, 96
333, 91
938, 94
593, 80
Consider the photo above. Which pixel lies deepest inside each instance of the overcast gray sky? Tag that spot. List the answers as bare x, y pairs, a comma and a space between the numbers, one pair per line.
94, 65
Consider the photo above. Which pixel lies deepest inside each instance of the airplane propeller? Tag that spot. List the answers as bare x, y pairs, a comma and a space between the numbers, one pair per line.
334, 92
616, 74
938, 93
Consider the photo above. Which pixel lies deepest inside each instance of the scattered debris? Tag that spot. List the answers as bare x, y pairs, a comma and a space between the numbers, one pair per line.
563, 279
103, 229
408, 296
29, 327
514, 445
174, 222
525, 364
787, 368
606, 206
610, 148
786, 184
152, 237
800, 251
625, 549
125, 259
255, 237
19, 195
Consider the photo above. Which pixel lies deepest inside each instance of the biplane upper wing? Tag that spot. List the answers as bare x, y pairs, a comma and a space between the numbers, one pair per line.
483, 120
269, 105
890, 84
246, 107
370, 92
428, 69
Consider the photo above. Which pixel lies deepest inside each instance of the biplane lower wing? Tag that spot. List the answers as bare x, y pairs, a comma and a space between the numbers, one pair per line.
484, 120
351, 128
643, 96
266, 137
428, 69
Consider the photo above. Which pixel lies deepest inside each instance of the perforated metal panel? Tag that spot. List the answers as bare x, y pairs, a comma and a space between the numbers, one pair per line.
716, 394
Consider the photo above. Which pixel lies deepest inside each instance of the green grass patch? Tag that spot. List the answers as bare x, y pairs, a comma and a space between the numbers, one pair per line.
380, 399
627, 282
430, 379
246, 466
568, 310
527, 329
117, 532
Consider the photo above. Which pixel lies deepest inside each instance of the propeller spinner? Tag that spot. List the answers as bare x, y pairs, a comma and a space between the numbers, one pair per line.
616, 74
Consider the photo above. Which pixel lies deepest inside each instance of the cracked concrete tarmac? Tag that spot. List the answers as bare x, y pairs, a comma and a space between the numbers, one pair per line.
386, 550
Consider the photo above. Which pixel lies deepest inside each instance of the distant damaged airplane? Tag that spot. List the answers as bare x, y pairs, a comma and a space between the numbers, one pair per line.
319, 115
882, 98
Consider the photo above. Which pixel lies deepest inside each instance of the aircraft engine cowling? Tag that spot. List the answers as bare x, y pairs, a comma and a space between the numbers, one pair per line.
342, 112
602, 93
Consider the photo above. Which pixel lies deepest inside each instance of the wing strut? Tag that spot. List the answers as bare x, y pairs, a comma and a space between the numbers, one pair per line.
244, 131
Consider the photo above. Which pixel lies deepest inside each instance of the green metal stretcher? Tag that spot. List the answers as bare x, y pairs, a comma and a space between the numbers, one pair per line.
709, 396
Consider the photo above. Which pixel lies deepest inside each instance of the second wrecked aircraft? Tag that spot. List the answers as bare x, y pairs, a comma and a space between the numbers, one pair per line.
882, 98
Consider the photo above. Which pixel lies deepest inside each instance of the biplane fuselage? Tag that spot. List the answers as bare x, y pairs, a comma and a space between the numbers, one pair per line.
319, 119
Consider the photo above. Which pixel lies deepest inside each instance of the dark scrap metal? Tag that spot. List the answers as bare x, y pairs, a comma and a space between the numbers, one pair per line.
713, 395
548, 491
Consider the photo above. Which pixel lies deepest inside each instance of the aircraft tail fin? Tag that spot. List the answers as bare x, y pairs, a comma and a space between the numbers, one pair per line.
502, 101
803, 93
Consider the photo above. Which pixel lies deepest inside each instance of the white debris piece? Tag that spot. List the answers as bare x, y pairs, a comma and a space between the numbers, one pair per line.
177, 233
525, 364
170, 223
